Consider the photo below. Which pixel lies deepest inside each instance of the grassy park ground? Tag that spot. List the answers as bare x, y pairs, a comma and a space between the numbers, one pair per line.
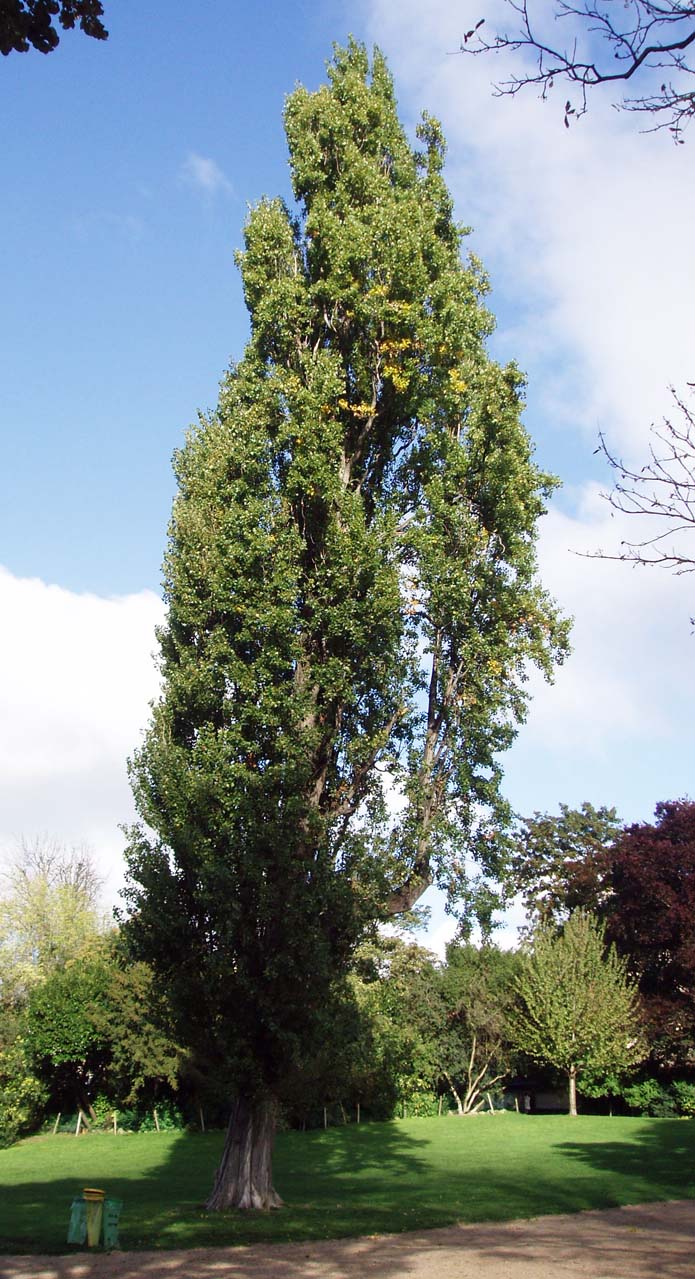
355, 1180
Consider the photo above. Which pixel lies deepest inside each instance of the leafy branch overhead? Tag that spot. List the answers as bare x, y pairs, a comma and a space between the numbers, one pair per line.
30, 24
611, 42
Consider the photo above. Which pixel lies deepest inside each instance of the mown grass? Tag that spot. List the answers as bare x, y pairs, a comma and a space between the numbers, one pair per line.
356, 1180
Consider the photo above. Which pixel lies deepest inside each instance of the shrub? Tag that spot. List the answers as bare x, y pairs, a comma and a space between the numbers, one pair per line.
422, 1105
684, 1094
22, 1095
169, 1117
649, 1097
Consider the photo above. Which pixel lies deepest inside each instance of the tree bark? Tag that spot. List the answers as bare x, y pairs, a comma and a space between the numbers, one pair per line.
455, 1095
573, 1090
83, 1102
244, 1178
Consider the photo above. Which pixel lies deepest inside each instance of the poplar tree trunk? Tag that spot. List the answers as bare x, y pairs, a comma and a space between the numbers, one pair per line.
573, 1090
244, 1178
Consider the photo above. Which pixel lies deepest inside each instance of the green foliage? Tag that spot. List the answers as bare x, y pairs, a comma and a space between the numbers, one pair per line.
102, 1110
49, 916
577, 1010
650, 1097
400, 1000
396, 991
22, 1094
422, 1105
640, 879
431, 1028
562, 863
136, 1023
474, 1051
28, 24
61, 1035
354, 526
169, 1117
100, 1026
684, 1094
60, 1026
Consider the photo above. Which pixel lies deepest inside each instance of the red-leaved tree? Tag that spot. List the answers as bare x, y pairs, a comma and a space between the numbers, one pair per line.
651, 919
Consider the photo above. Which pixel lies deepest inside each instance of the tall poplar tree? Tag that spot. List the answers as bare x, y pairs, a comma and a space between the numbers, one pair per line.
353, 606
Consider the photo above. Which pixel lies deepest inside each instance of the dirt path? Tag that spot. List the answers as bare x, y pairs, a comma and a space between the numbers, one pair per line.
647, 1241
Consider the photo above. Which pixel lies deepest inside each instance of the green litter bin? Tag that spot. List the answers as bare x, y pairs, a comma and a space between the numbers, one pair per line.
77, 1229
112, 1214
94, 1217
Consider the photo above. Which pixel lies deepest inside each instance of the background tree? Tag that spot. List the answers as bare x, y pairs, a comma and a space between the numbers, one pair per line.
651, 919
133, 1019
401, 998
477, 987
29, 24
22, 1093
577, 1009
606, 42
99, 1027
352, 604
61, 1034
561, 863
49, 913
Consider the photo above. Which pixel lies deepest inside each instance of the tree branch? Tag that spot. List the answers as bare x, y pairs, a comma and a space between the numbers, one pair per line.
663, 489
649, 36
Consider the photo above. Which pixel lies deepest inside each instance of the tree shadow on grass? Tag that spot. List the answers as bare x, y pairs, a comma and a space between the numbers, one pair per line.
652, 1242
658, 1157
164, 1198
358, 1181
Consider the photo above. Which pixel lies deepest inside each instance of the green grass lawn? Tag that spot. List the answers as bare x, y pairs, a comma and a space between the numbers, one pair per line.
403, 1175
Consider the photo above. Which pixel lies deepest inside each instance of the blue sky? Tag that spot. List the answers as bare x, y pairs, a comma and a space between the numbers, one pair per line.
122, 304
128, 166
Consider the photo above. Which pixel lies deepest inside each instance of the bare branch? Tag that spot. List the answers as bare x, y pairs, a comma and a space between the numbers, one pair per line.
634, 39
663, 490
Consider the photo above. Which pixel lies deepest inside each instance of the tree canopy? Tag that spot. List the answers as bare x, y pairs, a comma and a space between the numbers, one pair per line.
562, 863
353, 606
49, 914
577, 1009
477, 987
650, 919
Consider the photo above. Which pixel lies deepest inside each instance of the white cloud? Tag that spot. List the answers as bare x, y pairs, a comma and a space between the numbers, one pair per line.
586, 231
203, 172
615, 728
76, 677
